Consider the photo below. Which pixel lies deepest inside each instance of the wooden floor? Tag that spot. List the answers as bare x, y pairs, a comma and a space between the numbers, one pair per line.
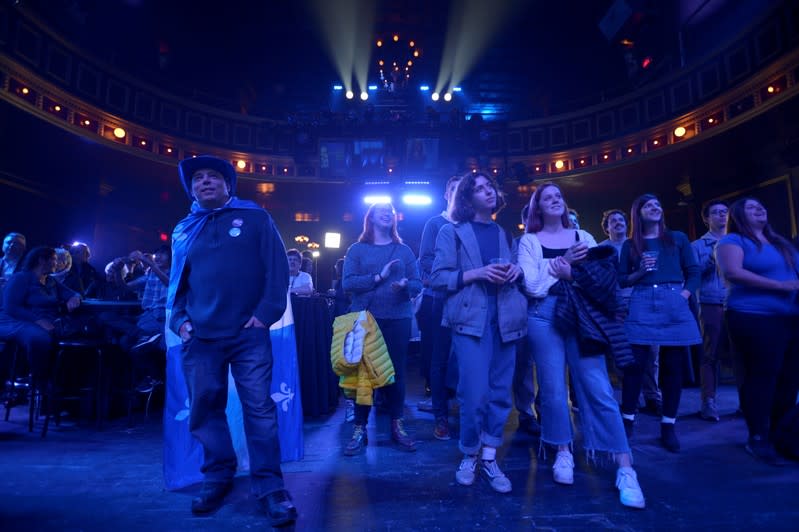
81, 478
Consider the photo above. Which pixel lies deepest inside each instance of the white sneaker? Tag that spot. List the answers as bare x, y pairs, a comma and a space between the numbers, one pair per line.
563, 469
465, 473
495, 477
630, 493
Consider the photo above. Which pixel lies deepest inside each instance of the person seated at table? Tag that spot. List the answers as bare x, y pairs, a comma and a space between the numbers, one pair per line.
13, 251
142, 337
300, 282
83, 277
30, 314
63, 263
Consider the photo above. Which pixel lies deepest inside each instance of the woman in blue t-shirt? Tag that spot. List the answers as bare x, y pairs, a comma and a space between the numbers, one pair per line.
762, 316
661, 267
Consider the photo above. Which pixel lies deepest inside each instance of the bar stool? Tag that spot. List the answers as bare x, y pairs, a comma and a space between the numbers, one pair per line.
55, 396
15, 387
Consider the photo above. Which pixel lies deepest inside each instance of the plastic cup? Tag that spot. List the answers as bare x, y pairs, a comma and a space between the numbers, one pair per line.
651, 255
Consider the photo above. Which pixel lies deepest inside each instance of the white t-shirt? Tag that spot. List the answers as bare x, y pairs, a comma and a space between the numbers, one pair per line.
301, 280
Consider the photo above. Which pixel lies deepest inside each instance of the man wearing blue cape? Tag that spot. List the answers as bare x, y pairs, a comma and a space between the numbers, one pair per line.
228, 284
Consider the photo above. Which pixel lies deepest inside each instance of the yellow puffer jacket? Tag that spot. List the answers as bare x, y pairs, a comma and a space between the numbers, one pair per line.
373, 369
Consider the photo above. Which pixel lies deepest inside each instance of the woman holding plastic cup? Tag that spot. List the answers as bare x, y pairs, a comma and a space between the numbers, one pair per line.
661, 267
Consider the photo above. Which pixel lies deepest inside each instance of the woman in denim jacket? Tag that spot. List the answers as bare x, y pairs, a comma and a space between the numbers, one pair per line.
485, 311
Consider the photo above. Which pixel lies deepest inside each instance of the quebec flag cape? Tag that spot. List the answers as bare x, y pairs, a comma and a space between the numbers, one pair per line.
183, 454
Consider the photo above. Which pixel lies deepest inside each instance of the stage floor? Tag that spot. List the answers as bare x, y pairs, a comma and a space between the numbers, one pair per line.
81, 478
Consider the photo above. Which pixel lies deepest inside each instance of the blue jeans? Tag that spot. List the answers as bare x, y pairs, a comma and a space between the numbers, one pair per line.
485, 367
205, 364
601, 424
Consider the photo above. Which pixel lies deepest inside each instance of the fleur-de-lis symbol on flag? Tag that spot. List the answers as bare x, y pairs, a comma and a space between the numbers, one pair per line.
283, 397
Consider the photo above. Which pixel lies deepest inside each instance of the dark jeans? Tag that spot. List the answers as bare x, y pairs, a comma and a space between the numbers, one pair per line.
439, 366
716, 343
396, 334
424, 319
249, 357
37, 345
672, 359
766, 351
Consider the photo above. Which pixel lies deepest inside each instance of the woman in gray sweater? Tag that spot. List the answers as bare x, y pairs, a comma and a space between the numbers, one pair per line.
381, 274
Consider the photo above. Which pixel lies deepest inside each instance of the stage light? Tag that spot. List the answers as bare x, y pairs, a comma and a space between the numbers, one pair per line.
364, 95
417, 199
770, 89
87, 122
679, 131
396, 37
411, 44
333, 240
241, 165
424, 88
371, 200
372, 87
380, 62
25, 90
646, 62
456, 89
349, 95
416, 53
57, 108
559, 165
435, 96
379, 43
337, 87
447, 97
410, 63
315, 254
119, 133
710, 120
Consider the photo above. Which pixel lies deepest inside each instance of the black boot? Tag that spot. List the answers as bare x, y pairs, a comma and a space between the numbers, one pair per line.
211, 497
668, 438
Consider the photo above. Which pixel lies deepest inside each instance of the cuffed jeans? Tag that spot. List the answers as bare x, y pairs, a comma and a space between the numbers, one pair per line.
485, 375
205, 364
601, 423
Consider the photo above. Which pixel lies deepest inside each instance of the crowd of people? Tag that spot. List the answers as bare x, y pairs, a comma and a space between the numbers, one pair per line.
553, 322
548, 322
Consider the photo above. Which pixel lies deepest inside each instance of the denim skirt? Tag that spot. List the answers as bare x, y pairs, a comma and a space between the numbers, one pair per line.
659, 315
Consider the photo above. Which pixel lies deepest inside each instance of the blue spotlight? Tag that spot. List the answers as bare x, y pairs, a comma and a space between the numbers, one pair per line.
424, 88
338, 88
372, 87
456, 89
